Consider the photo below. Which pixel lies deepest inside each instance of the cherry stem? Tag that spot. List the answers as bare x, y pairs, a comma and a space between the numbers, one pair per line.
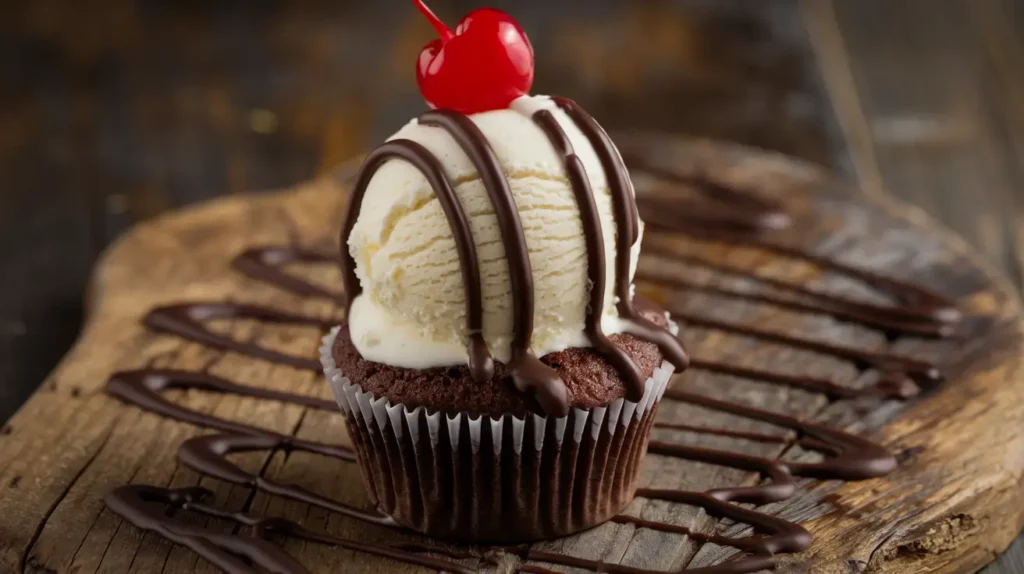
442, 30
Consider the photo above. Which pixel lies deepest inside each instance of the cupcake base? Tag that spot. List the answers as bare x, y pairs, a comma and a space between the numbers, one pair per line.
499, 480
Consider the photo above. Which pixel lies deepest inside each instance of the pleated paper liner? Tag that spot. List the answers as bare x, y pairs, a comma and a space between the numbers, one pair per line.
500, 480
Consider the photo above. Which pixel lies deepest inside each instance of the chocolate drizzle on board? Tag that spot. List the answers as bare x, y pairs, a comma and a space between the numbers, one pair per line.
850, 458
265, 263
187, 320
720, 206
847, 457
138, 504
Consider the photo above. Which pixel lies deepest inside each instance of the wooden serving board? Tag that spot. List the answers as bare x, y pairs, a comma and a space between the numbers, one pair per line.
954, 502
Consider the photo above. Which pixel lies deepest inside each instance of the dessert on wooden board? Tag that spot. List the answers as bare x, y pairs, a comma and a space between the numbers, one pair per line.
512, 240
498, 378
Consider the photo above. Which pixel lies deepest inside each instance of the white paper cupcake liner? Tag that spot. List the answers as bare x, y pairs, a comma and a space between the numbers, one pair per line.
506, 479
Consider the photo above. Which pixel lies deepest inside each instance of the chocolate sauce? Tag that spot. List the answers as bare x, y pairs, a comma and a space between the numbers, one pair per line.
627, 220
528, 373
893, 368
751, 436
142, 388
745, 565
627, 226
752, 214
186, 321
883, 317
264, 264
846, 457
697, 535
481, 364
857, 458
854, 458
208, 455
892, 386
594, 236
914, 300
782, 537
723, 206
781, 487
147, 507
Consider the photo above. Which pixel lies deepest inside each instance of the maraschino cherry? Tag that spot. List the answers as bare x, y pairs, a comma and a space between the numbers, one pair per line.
484, 65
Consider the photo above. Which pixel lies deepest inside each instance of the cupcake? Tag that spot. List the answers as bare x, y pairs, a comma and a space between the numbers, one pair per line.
499, 381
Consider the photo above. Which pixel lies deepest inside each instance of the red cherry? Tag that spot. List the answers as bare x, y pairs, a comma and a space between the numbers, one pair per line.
484, 65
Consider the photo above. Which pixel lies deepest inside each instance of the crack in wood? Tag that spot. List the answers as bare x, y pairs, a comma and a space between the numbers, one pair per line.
26, 557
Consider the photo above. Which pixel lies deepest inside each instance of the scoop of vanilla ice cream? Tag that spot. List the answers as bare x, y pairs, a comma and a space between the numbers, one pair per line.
412, 310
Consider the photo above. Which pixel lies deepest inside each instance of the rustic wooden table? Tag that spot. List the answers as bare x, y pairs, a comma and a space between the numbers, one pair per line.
111, 113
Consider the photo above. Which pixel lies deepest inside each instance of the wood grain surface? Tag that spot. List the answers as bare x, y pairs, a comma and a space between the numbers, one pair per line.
114, 113
951, 506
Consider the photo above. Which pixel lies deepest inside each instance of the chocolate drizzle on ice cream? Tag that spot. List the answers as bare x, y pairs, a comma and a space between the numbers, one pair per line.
529, 374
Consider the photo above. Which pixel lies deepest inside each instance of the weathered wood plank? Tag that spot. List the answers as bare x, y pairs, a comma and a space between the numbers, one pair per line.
933, 108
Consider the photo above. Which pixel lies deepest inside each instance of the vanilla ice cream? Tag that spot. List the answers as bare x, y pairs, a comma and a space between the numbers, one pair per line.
412, 310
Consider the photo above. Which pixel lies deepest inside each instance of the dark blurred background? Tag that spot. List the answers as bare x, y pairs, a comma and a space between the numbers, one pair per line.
115, 111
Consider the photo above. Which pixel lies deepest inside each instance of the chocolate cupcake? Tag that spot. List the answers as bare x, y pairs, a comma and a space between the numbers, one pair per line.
473, 245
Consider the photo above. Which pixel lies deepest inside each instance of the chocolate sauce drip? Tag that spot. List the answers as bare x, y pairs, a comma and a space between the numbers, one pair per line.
893, 369
783, 536
893, 386
623, 199
594, 236
669, 214
856, 458
147, 507
627, 221
208, 455
528, 374
627, 227
915, 298
751, 436
889, 319
748, 215
142, 388
852, 458
481, 364
186, 321
745, 565
702, 537
722, 206
781, 487
264, 264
